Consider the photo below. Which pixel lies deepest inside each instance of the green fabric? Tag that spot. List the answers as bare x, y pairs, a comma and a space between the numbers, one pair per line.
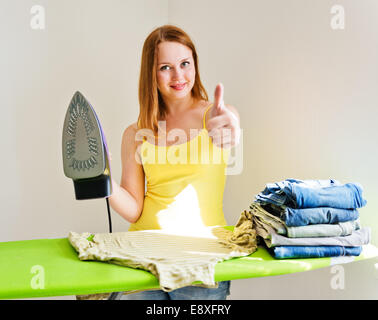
64, 274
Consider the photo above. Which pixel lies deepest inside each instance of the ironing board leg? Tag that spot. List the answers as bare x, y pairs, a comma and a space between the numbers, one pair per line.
115, 296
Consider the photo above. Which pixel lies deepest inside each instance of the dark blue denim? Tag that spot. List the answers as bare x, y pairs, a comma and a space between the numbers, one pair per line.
296, 193
286, 252
322, 215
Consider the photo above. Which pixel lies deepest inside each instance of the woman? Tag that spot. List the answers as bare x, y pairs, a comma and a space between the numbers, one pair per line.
184, 191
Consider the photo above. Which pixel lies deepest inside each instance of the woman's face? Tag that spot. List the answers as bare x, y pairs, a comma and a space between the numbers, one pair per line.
175, 70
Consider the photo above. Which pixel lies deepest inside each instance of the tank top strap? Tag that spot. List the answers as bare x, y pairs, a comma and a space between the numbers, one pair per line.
204, 116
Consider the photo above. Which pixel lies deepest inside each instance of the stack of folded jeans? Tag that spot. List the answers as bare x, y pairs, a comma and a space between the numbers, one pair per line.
310, 218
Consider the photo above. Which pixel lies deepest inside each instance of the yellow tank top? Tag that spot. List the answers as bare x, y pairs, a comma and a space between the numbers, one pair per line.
185, 184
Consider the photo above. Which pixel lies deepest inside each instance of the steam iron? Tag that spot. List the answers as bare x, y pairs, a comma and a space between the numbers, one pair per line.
85, 152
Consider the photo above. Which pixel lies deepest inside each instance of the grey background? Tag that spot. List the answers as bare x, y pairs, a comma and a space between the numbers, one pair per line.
306, 95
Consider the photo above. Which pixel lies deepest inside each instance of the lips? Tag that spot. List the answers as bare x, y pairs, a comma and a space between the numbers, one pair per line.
179, 86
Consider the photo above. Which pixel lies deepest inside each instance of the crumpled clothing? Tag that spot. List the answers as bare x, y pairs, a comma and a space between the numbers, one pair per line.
243, 236
177, 260
264, 217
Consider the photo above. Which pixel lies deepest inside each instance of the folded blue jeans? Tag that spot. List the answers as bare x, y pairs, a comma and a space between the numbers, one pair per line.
285, 252
310, 222
321, 215
356, 239
296, 193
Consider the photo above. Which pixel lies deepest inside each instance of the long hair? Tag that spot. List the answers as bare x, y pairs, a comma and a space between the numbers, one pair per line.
152, 107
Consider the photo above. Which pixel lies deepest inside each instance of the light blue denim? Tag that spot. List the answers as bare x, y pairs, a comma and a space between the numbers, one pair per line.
356, 239
324, 230
296, 193
285, 252
185, 293
322, 215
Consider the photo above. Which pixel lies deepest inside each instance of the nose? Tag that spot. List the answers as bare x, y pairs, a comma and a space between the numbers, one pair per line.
177, 74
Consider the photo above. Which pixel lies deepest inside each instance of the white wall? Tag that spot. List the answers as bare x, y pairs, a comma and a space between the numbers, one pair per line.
306, 95
91, 46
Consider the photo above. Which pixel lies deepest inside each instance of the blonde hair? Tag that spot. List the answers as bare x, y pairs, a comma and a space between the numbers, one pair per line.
151, 104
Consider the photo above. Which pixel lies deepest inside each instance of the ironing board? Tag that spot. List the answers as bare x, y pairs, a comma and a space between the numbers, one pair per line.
56, 262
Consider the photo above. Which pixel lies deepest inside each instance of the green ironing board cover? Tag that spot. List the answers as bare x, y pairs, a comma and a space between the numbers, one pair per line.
65, 274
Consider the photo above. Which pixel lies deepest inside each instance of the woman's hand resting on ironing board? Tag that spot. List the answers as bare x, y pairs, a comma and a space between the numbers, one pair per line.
223, 122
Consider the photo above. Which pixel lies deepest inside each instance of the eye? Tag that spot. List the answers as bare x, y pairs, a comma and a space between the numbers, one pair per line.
162, 68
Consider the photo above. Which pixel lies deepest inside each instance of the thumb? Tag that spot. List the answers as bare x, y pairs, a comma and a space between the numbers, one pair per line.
218, 97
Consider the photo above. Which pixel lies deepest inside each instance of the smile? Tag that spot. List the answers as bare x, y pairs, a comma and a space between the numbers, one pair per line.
179, 87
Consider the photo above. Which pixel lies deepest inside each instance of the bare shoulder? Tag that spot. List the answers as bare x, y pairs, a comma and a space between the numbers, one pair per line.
132, 127
129, 136
130, 131
134, 136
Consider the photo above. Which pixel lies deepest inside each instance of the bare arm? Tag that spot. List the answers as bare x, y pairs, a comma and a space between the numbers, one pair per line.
128, 197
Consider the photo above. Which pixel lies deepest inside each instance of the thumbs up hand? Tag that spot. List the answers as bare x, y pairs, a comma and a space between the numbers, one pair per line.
223, 123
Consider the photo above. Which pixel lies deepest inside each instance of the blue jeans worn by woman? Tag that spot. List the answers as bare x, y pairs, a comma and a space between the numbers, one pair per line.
185, 293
